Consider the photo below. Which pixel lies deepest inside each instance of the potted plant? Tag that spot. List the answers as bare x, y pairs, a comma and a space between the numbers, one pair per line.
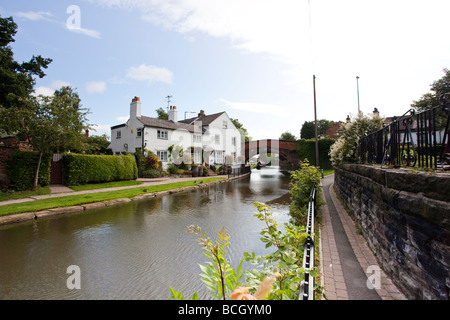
194, 170
200, 171
205, 171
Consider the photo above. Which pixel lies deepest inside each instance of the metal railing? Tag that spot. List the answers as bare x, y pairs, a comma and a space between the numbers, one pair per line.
307, 285
412, 140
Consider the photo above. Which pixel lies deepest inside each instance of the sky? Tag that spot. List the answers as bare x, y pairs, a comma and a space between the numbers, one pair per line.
254, 59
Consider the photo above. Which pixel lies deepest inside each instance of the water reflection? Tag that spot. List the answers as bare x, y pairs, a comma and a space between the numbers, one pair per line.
139, 249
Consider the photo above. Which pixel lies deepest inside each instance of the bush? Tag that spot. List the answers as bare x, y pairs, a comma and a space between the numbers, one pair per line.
83, 169
307, 150
301, 185
21, 169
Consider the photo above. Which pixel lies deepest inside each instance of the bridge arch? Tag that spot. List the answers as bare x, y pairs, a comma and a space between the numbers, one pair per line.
288, 158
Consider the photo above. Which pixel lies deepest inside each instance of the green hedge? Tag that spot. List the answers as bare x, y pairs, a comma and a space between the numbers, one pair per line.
21, 169
83, 169
307, 149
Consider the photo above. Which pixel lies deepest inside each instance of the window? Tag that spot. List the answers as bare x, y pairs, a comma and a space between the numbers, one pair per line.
233, 141
217, 139
197, 138
197, 156
219, 156
225, 124
118, 134
139, 133
162, 134
162, 155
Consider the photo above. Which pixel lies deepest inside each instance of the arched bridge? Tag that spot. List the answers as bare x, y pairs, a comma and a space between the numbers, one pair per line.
266, 149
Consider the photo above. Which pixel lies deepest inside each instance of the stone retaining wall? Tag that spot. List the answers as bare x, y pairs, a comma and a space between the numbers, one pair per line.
404, 216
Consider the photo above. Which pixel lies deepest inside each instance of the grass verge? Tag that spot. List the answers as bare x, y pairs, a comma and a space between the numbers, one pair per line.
75, 200
113, 184
11, 195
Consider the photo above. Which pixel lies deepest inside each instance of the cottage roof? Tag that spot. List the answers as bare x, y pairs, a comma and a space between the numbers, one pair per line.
165, 124
205, 119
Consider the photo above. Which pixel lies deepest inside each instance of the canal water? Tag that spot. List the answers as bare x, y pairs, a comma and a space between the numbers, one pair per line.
140, 249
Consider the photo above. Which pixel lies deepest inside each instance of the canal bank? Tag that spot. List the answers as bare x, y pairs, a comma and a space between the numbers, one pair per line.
64, 192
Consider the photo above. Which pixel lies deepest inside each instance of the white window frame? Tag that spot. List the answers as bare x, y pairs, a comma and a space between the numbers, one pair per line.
233, 141
118, 134
217, 139
163, 134
225, 124
197, 138
162, 155
139, 133
219, 156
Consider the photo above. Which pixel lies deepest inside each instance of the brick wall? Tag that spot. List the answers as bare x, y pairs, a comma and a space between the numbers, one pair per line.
405, 218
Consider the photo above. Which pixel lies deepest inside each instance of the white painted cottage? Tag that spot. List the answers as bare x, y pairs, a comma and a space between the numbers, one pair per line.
212, 139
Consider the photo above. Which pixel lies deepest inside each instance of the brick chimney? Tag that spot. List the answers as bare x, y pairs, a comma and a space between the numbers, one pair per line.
135, 108
173, 114
202, 113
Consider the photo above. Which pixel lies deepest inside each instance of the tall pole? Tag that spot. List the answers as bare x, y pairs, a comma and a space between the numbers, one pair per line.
357, 88
315, 120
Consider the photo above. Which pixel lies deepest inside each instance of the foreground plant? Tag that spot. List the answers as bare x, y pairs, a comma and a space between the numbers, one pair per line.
278, 274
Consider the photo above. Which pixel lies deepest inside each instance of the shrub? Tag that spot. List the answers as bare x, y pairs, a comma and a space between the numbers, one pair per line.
21, 169
82, 169
345, 149
301, 185
307, 150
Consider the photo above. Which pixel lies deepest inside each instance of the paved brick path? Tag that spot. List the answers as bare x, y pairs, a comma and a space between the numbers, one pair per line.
346, 260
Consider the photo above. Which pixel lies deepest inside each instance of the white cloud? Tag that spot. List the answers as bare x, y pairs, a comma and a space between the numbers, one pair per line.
101, 129
123, 118
96, 87
150, 74
34, 16
87, 32
256, 107
50, 90
396, 54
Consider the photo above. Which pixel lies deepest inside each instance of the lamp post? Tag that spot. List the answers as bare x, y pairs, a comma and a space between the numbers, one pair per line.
315, 122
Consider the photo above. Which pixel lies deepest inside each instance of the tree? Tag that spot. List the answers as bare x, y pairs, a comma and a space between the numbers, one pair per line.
345, 149
52, 124
431, 100
241, 128
162, 114
308, 129
16, 79
287, 136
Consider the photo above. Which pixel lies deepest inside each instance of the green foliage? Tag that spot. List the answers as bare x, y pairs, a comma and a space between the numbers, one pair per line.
307, 150
16, 79
21, 168
217, 274
83, 169
345, 149
162, 114
301, 184
438, 87
308, 128
285, 262
287, 136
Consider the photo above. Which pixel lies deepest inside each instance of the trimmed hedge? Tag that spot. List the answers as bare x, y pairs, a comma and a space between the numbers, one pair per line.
307, 149
21, 169
83, 169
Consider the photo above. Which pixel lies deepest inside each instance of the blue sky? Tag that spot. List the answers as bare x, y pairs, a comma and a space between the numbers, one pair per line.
252, 59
